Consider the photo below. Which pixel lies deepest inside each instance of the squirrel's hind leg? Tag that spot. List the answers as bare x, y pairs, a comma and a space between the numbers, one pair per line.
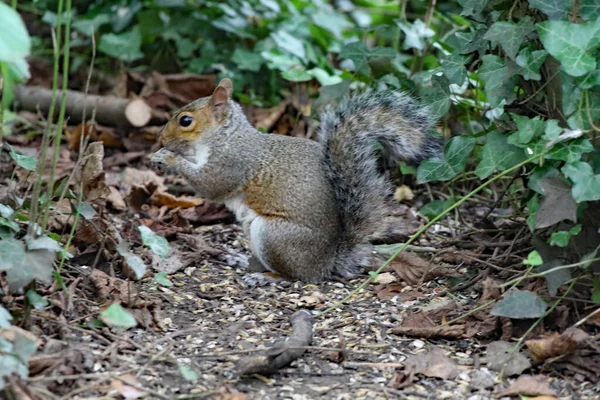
296, 252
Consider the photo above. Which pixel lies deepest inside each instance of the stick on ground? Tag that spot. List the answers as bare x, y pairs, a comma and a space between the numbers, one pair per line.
282, 353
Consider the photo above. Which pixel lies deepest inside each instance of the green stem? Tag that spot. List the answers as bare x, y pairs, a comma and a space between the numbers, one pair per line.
544, 273
61, 114
413, 237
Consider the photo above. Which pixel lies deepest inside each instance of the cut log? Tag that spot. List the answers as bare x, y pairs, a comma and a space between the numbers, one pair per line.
110, 110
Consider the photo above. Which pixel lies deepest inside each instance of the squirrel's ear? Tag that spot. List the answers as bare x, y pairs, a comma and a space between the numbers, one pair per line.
222, 93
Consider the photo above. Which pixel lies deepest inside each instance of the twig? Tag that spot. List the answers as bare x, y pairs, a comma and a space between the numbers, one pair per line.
78, 376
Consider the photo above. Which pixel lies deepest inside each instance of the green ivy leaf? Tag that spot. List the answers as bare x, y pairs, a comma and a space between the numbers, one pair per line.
247, 60
586, 185
472, 7
455, 68
162, 279
156, 243
296, 75
37, 301
86, 210
359, 53
289, 43
116, 316
510, 35
571, 44
455, 159
557, 205
188, 374
125, 46
437, 96
415, 34
132, 260
499, 83
520, 304
554, 9
533, 258
530, 63
498, 155
23, 266
15, 43
436, 207
589, 9
533, 205
528, 129
570, 151
25, 162
561, 238
596, 292
5, 318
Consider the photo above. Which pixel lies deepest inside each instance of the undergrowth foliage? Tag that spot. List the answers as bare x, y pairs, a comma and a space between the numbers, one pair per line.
512, 83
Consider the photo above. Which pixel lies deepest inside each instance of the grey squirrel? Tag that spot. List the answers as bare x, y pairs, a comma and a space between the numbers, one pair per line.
306, 206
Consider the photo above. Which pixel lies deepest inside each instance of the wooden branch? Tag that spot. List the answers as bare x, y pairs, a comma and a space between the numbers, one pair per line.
110, 110
282, 353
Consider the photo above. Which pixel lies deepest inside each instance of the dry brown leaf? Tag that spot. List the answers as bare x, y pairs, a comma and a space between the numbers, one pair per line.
413, 269
135, 177
128, 392
166, 199
74, 135
444, 331
113, 289
528, 385
207, 213
556, 345
500, 356
267, 117
384, 278
434, 364
115, 199
403, 193
92, 173
402, 379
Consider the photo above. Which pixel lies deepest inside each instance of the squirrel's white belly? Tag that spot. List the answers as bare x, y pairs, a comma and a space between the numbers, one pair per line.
253, 226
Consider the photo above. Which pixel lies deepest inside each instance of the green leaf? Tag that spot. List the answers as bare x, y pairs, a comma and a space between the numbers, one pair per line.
530, 63
455, 159
554, 9
188, 374
89, 25
415, 34
116, 316
596, 292
571, 44
296, 75
25, 162
162, 279
436, 207
534, 259
247, 60
455, 68
552, 130
15, 43
37, 301
499, 83
557, 205
359, 53
156, 243
472, 7
520, 304
570, 151
528, 129
437, 96
498, 155
533, 206
5, 318
589, 9
23, 266
86, 210
586, 185
285, 41
510, 35
125, 46
134, 262
560, 239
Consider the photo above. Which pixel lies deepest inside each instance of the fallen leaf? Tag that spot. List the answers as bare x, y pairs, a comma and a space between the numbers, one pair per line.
208, 213
128, 392
166, 199
267, 117
402, 379
556, 345
528, 385
434, 364
498, 354
112, 289
115, 199
92, 173
136, 177
385, 277
413, 269
403, 193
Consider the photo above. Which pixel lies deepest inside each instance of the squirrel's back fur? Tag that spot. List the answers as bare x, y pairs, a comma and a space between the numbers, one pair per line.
350, 135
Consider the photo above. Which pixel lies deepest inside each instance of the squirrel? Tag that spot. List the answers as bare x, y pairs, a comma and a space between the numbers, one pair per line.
307, 206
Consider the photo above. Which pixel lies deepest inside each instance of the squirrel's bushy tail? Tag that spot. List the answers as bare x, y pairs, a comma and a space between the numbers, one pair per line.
363, 128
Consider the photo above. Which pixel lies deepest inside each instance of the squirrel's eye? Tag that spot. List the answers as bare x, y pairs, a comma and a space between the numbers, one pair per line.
185, 121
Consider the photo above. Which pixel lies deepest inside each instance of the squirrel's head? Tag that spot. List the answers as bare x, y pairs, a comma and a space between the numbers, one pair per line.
199, 117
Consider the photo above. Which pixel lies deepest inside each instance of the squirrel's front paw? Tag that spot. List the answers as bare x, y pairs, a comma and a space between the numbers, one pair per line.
165, 159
